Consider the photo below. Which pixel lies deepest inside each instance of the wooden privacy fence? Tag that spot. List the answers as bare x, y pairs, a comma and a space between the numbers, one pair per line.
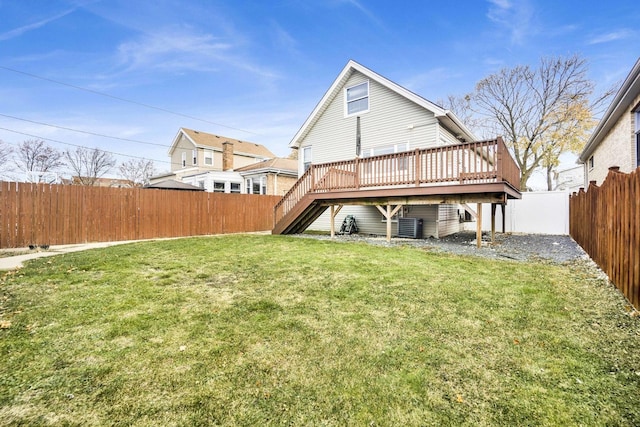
605, 221
42, 214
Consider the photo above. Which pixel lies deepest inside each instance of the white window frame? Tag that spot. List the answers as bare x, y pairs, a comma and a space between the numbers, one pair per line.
306, 158
591, 162
263, 185
239, 187
218, 189
347, 101
184, 159
389, 149
208, 157
194, 155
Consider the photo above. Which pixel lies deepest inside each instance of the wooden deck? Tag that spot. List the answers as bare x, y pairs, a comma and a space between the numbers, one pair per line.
475, 172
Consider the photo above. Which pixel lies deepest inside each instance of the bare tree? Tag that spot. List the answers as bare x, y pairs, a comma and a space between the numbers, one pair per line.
530, 108
462, 108
5, 154
137, 171
38, 160
89, 164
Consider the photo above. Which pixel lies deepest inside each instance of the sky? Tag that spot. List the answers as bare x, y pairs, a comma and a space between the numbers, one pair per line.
124, 76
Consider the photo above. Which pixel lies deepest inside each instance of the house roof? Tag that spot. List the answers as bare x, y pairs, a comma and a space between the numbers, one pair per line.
277, 164
171, 184
209, 140
624, 97
445, 116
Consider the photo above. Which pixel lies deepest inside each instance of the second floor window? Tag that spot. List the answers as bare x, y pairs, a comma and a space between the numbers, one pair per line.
357, 99
194, 154
208, 157
184, 160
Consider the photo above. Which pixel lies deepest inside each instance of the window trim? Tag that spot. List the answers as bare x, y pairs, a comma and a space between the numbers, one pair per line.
208, 155
306, 162
194, 155
217, 190
184, 159
591, 162
347, 101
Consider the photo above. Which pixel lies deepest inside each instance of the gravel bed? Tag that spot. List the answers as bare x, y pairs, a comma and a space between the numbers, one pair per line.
519, 247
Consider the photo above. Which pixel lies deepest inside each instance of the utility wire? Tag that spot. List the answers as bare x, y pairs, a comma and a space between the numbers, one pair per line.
85, 132
164, 110
82, 146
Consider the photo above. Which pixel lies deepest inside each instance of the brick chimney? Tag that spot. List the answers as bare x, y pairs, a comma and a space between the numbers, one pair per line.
227, 156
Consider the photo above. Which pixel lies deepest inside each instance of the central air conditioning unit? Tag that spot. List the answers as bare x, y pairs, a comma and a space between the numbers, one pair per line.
410, 227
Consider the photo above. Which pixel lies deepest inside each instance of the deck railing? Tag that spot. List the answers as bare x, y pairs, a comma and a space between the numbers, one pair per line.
467, 163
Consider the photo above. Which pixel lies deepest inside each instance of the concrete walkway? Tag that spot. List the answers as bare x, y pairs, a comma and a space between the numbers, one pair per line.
15, 261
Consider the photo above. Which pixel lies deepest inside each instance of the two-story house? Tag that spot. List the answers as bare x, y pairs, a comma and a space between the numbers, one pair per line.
364, 115
616, 139
217, 164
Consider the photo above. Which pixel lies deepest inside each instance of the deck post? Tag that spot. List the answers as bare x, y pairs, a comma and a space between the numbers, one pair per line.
334, 213
333, 222
503, 205
493, 223
388, 223
479, 226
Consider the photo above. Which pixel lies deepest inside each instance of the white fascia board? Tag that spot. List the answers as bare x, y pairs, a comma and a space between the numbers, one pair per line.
177, 139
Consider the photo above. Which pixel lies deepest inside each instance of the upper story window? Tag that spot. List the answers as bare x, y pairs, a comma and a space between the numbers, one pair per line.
357, 98
208, 157
591, 162
184, 159
306, 157
194, 155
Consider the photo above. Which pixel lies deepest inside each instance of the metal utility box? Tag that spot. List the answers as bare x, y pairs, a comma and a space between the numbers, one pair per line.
410, 227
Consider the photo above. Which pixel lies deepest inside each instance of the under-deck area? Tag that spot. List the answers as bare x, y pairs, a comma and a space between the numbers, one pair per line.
468, 173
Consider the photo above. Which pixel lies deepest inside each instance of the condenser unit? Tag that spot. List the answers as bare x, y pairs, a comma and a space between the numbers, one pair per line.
410, 227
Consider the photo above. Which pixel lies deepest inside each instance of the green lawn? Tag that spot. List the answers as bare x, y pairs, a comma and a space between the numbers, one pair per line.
272, 330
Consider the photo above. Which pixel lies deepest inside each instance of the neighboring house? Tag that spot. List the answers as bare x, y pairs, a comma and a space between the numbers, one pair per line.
570, 179
274, 176
616, 139
363, 114
224, 165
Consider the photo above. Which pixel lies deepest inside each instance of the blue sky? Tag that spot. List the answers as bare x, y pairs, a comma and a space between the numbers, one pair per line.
254, 70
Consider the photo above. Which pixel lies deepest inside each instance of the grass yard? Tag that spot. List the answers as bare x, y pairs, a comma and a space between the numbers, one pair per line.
272, 330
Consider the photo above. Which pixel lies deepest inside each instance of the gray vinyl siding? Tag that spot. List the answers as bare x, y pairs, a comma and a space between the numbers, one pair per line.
449, 220
369, 220
387, 122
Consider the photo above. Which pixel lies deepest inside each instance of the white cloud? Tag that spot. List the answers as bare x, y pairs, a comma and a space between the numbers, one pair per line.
515, 19
623, 33
181, 49
366, 12
17, 32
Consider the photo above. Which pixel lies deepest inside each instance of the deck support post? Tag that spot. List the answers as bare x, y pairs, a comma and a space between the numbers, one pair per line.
479, 226
334, 212
388, 213
503, 205
493, 223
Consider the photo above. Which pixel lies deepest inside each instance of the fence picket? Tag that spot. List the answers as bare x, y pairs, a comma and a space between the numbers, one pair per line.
605, 221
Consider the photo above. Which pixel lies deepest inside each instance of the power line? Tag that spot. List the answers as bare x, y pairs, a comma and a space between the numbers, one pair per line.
81, 146
85, 132
141, 104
